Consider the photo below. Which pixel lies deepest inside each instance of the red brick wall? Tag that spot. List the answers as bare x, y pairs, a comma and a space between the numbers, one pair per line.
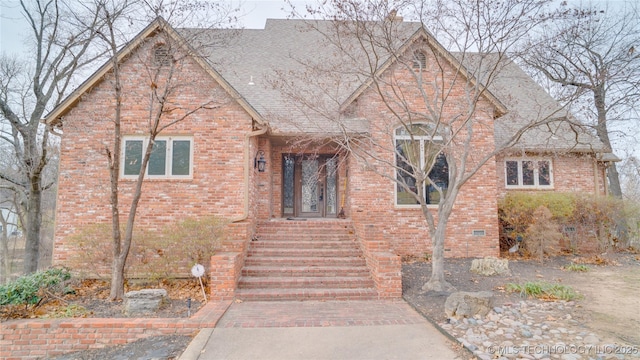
218, 162
372, 196
36, 339
571, 173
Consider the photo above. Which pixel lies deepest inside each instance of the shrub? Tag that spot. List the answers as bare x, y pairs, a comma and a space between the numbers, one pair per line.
544, 290
581, 223
154, 254
158, 254
28, 289
542, 236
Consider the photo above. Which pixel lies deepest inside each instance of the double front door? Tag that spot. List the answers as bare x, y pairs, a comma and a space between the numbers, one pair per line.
309, 186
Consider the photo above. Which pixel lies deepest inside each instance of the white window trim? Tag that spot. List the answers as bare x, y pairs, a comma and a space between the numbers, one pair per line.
169, 157
423, 139
535, 174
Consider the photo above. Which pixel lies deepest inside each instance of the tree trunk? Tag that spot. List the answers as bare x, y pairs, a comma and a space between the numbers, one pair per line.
603, 134
437, 281
117, 278
33, 224
614, 180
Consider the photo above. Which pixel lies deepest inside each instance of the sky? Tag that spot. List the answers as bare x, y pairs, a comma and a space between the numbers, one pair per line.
13, 30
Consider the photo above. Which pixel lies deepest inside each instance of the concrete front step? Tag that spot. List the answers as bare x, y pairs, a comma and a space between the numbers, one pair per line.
283, 252
306, 294
304, 271
304, 261
313, 282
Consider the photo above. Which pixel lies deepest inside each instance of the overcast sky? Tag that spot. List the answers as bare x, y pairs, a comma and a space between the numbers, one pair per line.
13, 29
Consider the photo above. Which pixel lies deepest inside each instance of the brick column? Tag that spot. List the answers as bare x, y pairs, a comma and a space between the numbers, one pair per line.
386, 267
224, 274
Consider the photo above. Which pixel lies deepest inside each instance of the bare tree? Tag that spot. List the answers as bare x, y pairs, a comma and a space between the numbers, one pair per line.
28, 88
594, 57
164, 109
436, 105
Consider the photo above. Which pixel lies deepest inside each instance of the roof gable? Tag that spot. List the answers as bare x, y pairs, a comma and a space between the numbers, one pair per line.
422, 34
156, 26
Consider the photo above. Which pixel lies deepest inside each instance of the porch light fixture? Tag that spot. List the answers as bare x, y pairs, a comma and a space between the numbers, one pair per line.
259, 161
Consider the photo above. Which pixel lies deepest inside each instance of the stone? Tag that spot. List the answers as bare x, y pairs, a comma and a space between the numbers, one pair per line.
525, 333
570, 357
490, 266
590, 339
463, 304
144, 301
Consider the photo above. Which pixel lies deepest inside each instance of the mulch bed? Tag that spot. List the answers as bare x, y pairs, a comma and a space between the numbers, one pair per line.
90, 299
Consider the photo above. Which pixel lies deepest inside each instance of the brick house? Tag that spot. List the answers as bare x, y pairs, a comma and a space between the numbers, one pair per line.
324, 223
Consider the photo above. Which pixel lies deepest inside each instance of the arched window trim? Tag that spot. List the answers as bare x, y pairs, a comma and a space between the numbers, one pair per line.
401, 201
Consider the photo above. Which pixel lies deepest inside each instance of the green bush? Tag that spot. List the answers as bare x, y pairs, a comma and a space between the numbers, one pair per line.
28, 289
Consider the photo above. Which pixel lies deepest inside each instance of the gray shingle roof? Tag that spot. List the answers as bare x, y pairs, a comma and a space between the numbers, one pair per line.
257, 63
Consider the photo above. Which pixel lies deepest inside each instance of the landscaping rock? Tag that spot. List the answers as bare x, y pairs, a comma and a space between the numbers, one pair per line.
490, 266
468, 304
144, 301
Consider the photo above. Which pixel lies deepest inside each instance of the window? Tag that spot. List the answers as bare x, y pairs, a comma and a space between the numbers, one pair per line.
528, 173
417, 152
419, 60
171, 157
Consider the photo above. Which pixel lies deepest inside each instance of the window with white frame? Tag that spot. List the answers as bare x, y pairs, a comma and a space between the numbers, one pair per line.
417, 148
528, 173
171, 157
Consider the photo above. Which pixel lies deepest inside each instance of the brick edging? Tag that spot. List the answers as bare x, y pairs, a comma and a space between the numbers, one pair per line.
35, 338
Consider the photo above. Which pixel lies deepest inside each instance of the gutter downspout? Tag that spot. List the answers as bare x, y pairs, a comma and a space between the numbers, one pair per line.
247, 161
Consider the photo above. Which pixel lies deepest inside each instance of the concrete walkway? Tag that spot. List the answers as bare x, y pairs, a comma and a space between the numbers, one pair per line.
320, 330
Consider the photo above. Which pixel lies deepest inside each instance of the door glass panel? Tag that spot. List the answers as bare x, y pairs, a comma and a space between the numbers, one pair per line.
332, 200
309, 185
288, 189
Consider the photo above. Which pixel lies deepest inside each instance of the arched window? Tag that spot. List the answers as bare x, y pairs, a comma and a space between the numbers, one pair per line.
419, 60
161, 55
417, 149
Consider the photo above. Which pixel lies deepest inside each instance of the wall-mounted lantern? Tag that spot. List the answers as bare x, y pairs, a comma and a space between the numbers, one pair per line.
259, 161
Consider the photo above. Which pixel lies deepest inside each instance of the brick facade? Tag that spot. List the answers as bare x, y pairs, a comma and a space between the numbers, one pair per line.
225, 146
580, 173
219, 139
